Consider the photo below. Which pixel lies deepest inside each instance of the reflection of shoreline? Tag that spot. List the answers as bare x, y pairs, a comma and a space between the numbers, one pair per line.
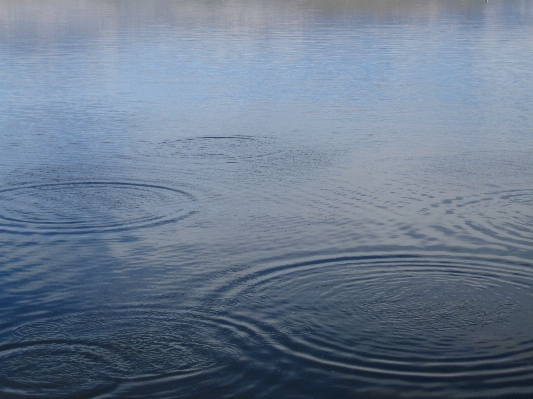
97, 18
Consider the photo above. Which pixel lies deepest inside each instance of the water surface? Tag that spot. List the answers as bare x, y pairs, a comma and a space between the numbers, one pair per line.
282, 199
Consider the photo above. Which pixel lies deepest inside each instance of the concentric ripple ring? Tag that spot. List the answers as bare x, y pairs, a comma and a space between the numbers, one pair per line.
90, 207
438, 320
59, 367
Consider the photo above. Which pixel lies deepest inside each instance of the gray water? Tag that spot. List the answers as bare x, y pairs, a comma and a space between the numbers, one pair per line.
266, 199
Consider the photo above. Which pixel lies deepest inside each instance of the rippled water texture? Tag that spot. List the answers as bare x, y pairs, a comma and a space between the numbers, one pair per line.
266, 199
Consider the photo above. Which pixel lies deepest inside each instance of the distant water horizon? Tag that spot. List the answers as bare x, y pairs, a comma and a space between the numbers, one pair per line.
266, 199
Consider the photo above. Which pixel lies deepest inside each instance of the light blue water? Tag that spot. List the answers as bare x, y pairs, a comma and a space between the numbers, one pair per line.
283, 199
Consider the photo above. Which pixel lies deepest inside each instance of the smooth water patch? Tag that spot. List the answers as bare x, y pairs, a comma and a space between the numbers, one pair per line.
91, 207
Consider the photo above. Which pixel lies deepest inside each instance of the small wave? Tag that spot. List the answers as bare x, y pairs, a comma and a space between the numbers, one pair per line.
90, 207
503, 217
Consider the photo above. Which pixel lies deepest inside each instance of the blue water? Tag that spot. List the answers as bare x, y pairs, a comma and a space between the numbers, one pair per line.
266, 199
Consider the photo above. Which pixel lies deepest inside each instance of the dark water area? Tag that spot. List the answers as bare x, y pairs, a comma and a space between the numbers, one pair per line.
266, 199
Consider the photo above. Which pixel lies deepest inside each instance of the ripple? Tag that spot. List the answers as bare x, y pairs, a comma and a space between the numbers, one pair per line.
129, 346
218, 149
415, 320
503, 216
90, 207
251, 157
58, 368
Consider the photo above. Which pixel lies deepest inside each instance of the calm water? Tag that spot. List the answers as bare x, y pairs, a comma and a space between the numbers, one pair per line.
266, 199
